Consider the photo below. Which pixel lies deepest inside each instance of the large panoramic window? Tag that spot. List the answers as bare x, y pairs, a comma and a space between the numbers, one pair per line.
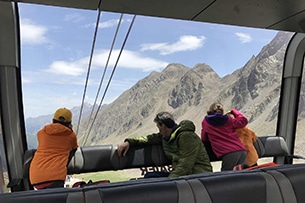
124, 70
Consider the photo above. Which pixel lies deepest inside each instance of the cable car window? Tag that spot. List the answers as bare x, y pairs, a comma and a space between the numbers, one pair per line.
146, 65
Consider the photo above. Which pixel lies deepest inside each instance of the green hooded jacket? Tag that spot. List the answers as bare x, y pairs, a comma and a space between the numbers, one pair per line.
184, 148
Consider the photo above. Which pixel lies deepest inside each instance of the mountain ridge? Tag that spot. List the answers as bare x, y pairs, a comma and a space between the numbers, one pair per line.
187, 92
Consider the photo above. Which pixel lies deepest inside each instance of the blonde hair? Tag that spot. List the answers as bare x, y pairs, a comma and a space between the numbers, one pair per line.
215, 108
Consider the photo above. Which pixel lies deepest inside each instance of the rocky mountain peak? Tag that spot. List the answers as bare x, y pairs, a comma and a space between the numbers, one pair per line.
279, 41
188, 92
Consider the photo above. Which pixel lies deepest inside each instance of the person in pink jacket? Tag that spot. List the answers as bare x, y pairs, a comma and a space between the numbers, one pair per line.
220, 130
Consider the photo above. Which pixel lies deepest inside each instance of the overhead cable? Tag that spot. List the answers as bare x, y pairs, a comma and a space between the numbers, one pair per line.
105, 68
88, 71
115, 66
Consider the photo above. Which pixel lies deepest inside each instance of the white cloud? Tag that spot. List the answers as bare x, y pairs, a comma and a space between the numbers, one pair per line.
134, 60
185, 43
26, 80
128, 59
41, 100
40, 104
45, 78
243, 37
32, 33
74, 17
109, 23
72, 68
106, 24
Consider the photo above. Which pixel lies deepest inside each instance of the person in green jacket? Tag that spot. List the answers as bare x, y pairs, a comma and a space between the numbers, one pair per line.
180, 144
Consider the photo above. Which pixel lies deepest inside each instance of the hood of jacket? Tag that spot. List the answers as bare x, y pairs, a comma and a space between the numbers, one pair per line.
217, 119
185, 125
57, 129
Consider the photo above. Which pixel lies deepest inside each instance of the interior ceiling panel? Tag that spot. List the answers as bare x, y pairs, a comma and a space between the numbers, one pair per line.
284, 15
178, 9
83, 4
259, 13
295, 23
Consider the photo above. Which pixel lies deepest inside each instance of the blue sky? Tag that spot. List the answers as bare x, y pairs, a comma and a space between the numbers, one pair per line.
56, 47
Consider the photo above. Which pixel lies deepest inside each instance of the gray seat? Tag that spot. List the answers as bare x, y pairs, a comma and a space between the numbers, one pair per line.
58, 195
106, 158
137, 191
284, 183
239, 187
271, 146
291, 180
266, 146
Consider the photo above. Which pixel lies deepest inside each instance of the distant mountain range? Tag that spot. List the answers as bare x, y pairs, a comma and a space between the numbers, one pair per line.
33, 125
187, 92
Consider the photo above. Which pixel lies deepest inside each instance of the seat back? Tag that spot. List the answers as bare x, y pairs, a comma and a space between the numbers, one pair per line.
266, 146
291, 180
58, 195
104, 157
231, 187
152, 190
270, 186
271, 146
284, 183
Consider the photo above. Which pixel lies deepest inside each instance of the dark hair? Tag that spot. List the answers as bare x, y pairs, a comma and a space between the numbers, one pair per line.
215, 108
165, 118
67, 124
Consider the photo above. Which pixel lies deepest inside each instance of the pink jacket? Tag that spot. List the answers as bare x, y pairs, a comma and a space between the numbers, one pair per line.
220, 130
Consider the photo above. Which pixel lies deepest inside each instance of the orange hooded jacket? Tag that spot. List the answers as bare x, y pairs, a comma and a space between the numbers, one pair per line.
248, 137
55, 141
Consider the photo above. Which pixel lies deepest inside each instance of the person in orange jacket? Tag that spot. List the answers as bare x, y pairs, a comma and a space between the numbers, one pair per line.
48, 168
248, 137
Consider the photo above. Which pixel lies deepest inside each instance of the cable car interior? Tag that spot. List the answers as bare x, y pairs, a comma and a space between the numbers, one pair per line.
282, 183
